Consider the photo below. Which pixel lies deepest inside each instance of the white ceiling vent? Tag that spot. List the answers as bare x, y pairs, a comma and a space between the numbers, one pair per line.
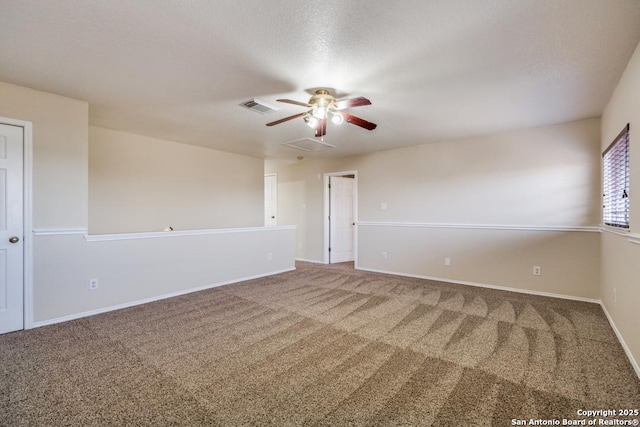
259, 106
308, 144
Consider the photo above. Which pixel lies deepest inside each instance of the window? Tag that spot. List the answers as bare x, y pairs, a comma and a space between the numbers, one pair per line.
615, 197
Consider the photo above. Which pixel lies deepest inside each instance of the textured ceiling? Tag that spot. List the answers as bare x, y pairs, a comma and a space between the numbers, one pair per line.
433, 70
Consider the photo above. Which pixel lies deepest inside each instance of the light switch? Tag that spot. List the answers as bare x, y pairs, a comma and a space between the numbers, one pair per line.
383, 206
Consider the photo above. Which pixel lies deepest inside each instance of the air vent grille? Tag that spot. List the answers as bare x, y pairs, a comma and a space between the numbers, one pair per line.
258, 106
308, 144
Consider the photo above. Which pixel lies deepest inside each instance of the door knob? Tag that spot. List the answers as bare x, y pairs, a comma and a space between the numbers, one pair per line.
14, 239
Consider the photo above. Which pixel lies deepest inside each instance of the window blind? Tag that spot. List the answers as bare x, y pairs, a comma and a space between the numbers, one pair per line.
615, 203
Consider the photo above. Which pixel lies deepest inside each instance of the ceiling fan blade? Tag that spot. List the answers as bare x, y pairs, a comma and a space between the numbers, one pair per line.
286, 119
291, 101
321, 130
349, 118
349, 103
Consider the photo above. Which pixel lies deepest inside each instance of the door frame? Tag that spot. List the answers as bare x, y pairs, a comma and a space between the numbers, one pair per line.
27, 224
325, 250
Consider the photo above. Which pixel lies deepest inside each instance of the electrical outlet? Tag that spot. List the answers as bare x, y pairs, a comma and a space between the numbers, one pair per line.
93, 284
537, 271
384, 255
270, 256
447, 261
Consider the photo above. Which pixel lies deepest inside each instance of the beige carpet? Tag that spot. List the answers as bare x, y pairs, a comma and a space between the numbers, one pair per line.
325, 346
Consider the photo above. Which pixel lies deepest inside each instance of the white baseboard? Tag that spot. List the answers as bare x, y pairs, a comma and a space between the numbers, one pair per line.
633, 361
485, 285
310, 260
150, 299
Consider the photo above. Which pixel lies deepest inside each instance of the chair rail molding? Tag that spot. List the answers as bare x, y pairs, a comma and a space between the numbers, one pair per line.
561, 228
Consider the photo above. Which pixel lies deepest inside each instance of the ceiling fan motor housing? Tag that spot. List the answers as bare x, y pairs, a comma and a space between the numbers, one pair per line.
321, 99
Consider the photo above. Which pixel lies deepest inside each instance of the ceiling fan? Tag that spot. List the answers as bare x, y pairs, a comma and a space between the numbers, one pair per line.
325, 107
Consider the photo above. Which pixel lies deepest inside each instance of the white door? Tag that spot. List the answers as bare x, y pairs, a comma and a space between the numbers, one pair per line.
270, 199
11, 229
341, 225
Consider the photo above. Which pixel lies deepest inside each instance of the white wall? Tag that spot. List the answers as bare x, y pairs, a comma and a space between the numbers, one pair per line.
302, 184
544, 180
138, 183
60, 128
138, 268
487, 256
538, 176
621, 252
149, 266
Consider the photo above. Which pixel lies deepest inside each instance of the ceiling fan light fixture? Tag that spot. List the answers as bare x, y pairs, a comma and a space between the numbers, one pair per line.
323, 106
311, 121
320, 112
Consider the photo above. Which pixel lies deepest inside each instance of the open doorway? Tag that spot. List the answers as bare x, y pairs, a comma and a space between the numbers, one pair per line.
341, 208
